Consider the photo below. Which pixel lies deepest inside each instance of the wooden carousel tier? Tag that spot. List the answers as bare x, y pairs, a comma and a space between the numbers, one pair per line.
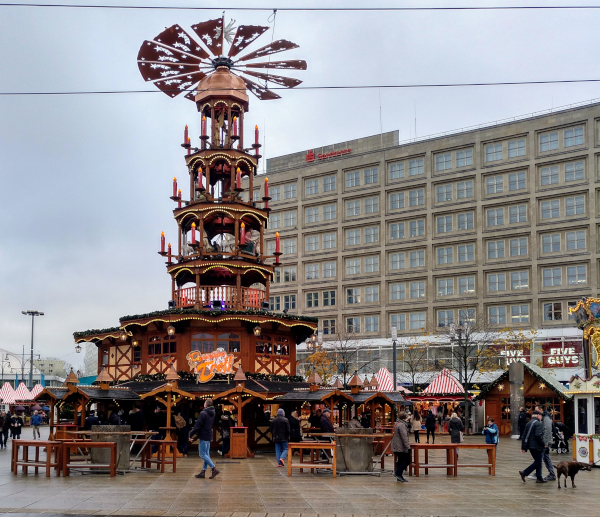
231, 157
225, 296
222, 268
222, 213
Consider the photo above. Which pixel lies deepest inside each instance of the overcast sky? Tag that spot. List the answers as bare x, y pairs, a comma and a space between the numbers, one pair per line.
86, 179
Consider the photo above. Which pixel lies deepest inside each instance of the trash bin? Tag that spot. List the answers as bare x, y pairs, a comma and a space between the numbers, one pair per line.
105, 435
354, 454
239, 443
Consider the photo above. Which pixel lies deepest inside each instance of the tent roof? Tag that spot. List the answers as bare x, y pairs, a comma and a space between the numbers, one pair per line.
444, 383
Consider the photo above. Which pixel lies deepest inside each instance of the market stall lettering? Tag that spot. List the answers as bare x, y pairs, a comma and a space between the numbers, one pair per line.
207, 365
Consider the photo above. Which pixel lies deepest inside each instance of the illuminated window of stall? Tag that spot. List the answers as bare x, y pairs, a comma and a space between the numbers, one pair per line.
229, 342
264, 345
282, 346
203, 343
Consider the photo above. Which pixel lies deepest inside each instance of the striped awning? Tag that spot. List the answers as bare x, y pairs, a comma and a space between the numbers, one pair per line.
444, 383
36, 390
22, 393
7, 394
385, 381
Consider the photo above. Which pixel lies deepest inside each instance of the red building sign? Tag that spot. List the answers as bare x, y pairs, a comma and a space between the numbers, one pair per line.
561, 355
310, 155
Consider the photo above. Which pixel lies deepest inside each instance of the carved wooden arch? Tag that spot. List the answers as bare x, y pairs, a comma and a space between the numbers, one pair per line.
218, 210
262, 273
219, 156
255, 216
188, 215
206, 269
182, 270
194, 161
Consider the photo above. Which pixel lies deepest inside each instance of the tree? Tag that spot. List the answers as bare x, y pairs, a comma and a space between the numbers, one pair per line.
414, 359
324, 364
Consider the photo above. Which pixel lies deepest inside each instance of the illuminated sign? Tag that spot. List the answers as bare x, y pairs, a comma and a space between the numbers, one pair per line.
207, 365
556, 355
515, 356
310, 155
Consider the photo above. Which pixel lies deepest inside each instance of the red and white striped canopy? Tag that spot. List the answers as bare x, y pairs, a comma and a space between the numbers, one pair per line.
22, 393
36, 390
7, 394
384, 380
444, 383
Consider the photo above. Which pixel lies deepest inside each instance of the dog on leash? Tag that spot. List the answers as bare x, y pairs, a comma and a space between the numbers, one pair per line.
570, 469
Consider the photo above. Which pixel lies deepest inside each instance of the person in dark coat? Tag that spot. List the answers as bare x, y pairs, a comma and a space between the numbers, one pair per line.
455, 427
136, 420
204, 429
91, 420
314, 420
16, 423
326, 425
226, 423
114, 418
533, 441
280, 432
4, 426
522, 422
295, 431
430, 426
400, 445
180, 422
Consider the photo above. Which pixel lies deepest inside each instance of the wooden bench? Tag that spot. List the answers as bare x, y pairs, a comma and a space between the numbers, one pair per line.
491, 453
67, 446
50, 446
315, 448
451, 464
161, 454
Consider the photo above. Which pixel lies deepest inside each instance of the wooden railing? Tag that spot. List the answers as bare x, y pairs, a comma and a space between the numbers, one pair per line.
227, 295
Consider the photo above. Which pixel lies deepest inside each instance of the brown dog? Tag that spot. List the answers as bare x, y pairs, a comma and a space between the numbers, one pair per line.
570, 469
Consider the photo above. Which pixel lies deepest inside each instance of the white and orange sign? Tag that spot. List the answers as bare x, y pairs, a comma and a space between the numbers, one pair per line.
207, 365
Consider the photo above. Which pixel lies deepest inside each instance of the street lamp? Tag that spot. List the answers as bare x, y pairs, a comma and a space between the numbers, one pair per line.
33, 314
6, 362
394, 339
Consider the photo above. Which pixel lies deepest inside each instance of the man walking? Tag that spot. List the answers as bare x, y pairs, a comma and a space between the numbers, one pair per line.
547, 426
533, 441
204, 429
522, 422
36, 422
280, 432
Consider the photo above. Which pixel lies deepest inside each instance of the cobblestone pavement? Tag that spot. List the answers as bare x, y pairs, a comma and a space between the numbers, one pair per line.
256, 488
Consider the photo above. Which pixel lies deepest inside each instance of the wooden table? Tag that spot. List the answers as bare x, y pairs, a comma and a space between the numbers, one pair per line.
161, 455
451, 464
25, 462
315, 447
67, 465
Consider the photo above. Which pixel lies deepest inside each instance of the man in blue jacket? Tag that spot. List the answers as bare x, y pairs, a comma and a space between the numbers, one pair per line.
204, 429
533, 441
36, 422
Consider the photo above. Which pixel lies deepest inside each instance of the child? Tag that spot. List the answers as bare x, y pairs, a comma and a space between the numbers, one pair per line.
491, 432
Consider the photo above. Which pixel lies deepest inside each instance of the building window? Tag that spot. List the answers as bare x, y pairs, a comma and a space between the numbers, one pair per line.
415, 167
289, 218
516, 148
576, 275
397, 291
352, 179
372, 234
497, 315
417, 228
328, 298
551, 243
465, 221
289, 246
312, 271
289, 191
549, 175
277, 276
329, 269
275, 221
416, 197
371, 176
329, 184
352, 266
397, 261
352, 208
417, 320
256, 196
444, 224
493, 152
495, 216
353, 325
495, 249
494, 184
464, 158
519, 313
445, 286
372, 294
289, 274
396, 170
444, 193
371, 205
519, 280
445, 318
329, 241
352, 296
576, 240
574, 136
571, 305
550, 209
549, 142
445, 255
398, 321
552, 276
466, 317
312, 243
496, 282
396, 200
289, 301
328, 327
329, 212
518, 247
371, 264
352, 237
312, 215
517, 181
312, 187
575, 205
275, 193
466, 253
312, 300
417, 258
553, 311
371, 323
396, 231
517, 214
466, 284
574, 171
417, 289
443, 161
464, 189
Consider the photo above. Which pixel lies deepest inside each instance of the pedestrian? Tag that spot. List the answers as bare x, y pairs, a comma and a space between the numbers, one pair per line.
280, 432
16, 423
533, 441
365, 421
295, 432
226, 424
430, 426
36, 422
400, 446
415, 423
547, 426
522, 422
90, 420
136, 419
491, 432
326, 425
183, 433
204, 429
455, 428
114, 418
4, 425
314, 420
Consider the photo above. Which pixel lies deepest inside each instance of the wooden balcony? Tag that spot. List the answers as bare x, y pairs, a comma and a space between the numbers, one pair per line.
229, 297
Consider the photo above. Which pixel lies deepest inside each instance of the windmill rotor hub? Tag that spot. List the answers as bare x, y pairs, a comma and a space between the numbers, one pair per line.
222, 61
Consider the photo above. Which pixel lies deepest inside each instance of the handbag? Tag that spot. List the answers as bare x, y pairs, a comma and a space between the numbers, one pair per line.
462, 437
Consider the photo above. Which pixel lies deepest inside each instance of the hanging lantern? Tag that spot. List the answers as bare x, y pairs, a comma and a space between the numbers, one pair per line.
78, 349
256, 330
171, 330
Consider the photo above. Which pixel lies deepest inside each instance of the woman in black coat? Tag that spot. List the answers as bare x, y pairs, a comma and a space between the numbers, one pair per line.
295, 432
455, 427
430, 426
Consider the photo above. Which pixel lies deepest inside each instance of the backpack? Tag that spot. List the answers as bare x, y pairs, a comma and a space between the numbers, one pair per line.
179, 421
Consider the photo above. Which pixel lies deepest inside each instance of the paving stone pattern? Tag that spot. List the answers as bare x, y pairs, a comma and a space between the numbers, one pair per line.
257, 488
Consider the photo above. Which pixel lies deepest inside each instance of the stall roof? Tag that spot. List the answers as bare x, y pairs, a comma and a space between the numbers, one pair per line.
392, 396
92, 392
444, 383
320, 395
217, 387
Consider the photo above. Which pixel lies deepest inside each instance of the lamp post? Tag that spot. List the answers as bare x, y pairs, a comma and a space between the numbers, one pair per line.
6, 362
394, 339
33, 314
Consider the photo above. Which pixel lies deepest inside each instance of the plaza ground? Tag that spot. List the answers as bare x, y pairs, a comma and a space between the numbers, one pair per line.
256, 488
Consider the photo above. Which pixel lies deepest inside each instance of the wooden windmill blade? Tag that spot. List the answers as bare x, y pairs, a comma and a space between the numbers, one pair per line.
211, 34
263, 93
280, 45
176, 37
297, 64
244, 36
288, 82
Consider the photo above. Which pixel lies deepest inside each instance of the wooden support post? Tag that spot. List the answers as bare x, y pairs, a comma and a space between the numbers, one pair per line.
241, 141
207, 186
238, 297
201, 236
198, 305
251, 186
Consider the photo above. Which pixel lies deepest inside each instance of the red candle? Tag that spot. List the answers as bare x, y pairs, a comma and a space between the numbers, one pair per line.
174, 187
185, 135
189, 142
179, 200
169, 253
234, 126
162, 242
256, 134
266, 187
277, 242
238, 178
242, 234
193, 233
203, 126
200, 178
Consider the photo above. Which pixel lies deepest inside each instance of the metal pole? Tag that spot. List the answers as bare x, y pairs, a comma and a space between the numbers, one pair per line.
394, 364
31, 358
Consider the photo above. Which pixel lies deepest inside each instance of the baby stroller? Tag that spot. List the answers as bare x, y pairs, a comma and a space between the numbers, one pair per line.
561, 442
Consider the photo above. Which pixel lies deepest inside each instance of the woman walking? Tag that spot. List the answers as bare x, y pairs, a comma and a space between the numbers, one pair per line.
415, 423
430, 426
295, 432
4, 425
455, 428
401, 446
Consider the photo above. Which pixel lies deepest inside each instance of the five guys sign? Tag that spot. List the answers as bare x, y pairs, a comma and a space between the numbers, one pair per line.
310, 155
557, 355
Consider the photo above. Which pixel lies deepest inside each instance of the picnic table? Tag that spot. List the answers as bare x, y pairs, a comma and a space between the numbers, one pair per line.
36, 463
451, 465
315, 448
